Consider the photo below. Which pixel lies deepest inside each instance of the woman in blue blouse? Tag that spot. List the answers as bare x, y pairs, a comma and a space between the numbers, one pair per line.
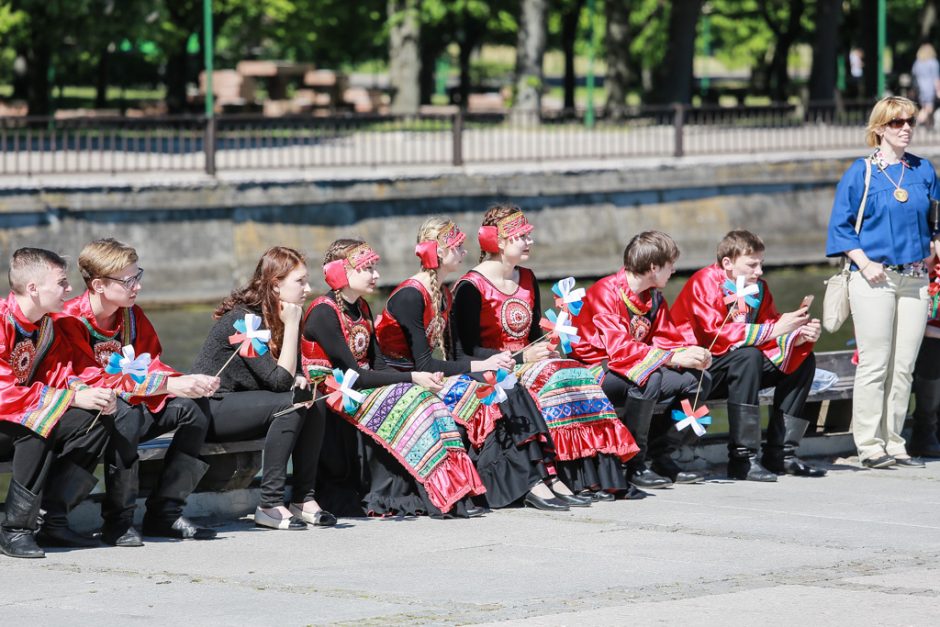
888, 284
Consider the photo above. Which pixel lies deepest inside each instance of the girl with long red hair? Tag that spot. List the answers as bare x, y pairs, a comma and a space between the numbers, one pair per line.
255, 397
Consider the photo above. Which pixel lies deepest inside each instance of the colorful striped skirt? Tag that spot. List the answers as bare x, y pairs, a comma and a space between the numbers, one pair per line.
580, 418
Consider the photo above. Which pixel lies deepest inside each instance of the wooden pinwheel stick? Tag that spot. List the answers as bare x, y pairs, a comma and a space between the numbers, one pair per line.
698, 389
227, 362
94, 421
309, 403
532, 343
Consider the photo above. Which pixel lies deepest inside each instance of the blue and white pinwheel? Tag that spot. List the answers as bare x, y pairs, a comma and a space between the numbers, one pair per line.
127, 364
342, 393
252, 339
493, 389
744, 296
566, 297
559, 330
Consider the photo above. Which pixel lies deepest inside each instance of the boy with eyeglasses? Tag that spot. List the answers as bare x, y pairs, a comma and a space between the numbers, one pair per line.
48, 427
105, 320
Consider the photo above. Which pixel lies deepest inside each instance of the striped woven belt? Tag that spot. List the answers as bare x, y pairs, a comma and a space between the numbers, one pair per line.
914, 269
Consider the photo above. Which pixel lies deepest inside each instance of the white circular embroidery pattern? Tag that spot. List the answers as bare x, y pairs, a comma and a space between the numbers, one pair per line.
515, 316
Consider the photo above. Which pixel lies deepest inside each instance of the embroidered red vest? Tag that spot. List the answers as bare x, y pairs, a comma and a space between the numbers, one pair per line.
357, 333
505, 319
389, 332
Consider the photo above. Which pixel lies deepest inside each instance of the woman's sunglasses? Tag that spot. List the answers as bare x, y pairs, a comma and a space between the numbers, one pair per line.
897, 123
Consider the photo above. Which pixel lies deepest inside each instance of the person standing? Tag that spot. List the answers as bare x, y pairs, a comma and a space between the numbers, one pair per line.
888, 281
926, 73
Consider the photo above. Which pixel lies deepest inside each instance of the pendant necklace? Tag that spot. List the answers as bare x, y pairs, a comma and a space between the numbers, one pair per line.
900, 194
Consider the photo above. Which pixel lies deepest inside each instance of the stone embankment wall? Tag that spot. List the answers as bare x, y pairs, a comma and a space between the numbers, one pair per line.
198, 237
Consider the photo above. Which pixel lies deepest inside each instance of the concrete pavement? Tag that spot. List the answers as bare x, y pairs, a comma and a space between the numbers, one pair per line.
859, 547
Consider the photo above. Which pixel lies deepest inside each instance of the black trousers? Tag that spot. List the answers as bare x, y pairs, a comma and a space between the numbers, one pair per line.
666, 385
297, 436
69, 441
926, 387
739, 376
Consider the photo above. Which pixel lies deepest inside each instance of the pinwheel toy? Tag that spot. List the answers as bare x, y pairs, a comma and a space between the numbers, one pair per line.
559, 331
493, 390
251, 338
688, 417
567, 298
342, 395
743, 296
127, 368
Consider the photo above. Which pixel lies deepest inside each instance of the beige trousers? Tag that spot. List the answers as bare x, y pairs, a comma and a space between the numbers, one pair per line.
889, 323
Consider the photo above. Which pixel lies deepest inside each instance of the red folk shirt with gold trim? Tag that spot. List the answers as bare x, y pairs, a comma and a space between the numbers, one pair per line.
635, 333
389, 332
98, 343
36, 374
357, 333
701, 306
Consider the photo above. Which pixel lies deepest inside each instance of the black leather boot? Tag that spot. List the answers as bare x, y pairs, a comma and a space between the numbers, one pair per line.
637, 416
120, 500
16, 532
164, 517
744, 431
783, 461
924, 441
67, 486
665, 465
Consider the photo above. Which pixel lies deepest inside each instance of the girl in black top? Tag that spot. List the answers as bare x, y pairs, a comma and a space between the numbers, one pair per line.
254, 390
396, 451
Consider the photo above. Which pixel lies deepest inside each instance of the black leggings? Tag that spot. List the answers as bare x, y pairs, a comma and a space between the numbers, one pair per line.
297, 434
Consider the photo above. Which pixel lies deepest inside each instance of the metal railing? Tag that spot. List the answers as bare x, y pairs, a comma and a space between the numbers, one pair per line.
34, 145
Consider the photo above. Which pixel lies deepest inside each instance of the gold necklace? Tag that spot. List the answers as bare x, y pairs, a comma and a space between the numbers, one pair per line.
900, 194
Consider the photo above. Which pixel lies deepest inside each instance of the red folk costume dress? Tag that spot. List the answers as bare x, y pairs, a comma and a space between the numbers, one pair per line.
580, 418
701, 305
36, 382
406, 420
459, 392
134, 329
633, 333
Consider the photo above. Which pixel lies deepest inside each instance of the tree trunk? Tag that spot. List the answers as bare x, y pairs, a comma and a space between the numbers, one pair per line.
175, 79
39, 62
779, 72
617, 38
868, 18
569, 33
530, 50
822, 78
928, 19
101, 79
404, 58
673, 79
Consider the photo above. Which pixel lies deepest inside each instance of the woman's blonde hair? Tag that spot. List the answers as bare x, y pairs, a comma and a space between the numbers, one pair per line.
434, 229
884, 111
925, 52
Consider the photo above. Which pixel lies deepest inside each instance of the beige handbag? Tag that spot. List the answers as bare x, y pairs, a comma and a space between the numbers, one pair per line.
836, 301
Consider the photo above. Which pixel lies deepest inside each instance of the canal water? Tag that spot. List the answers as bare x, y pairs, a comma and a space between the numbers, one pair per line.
182, 329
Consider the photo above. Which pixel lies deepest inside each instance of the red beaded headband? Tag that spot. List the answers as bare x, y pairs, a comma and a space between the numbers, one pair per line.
513, 225
357, 259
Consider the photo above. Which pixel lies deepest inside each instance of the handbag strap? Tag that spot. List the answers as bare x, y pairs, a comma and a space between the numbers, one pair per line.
861, 209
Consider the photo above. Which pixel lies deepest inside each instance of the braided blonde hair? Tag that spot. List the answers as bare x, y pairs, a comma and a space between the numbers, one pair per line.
493, 215
434, 229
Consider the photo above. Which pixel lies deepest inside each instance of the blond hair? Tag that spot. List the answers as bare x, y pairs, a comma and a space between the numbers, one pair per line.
884, 111
434, 229
925, 52
104, 257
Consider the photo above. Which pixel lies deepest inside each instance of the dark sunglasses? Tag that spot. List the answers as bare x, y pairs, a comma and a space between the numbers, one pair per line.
900, 122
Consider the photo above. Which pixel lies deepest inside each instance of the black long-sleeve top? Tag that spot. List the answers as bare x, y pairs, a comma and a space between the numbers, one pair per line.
465, 317
407, 307
325, 328
243, 373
